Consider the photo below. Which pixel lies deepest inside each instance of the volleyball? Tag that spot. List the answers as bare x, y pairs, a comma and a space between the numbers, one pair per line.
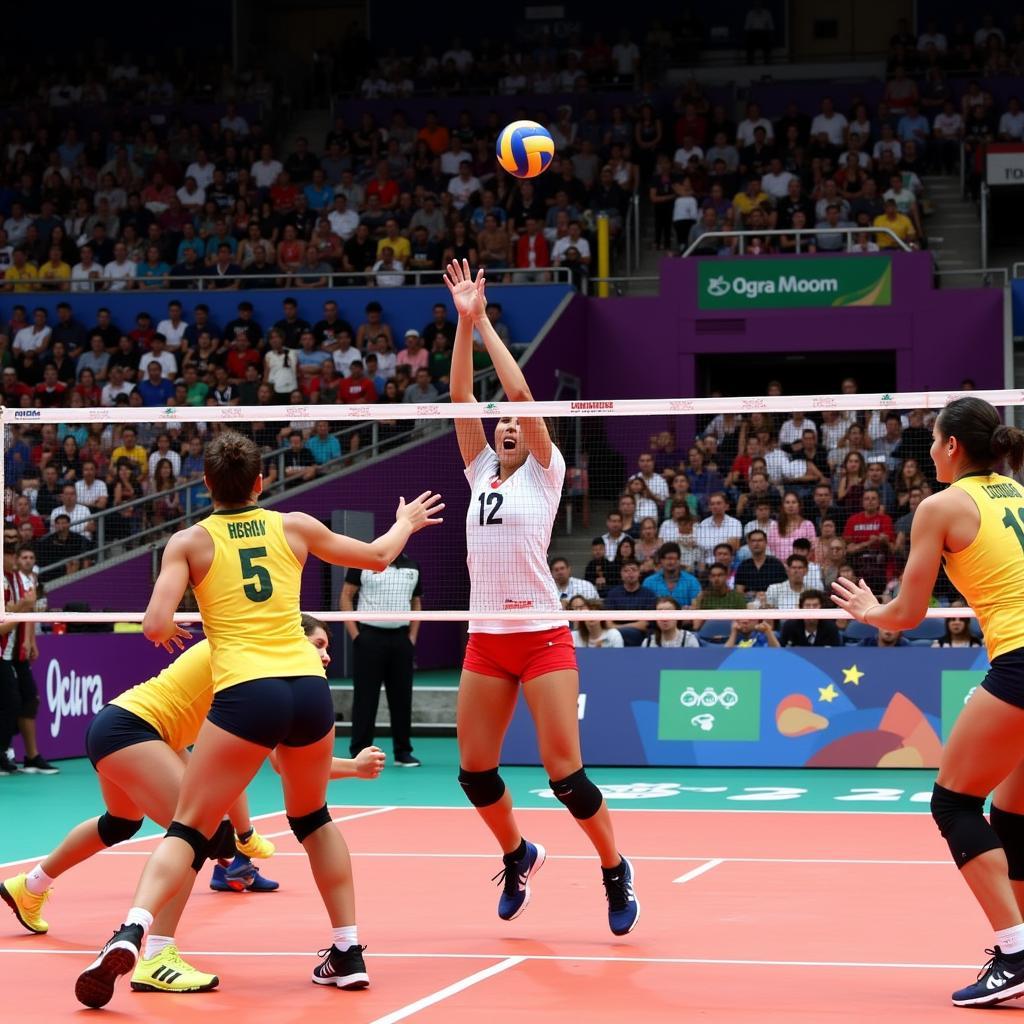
525, 148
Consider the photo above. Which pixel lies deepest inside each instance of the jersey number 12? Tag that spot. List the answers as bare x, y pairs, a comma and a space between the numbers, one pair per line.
489, 505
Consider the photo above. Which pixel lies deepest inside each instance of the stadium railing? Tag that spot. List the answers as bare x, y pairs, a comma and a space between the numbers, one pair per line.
846, 232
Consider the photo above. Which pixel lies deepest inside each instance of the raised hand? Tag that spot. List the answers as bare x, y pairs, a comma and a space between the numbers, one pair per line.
422, 511
467, 294
855, 598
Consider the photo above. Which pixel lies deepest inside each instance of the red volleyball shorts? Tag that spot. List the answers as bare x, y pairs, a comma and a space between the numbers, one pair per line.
520, 657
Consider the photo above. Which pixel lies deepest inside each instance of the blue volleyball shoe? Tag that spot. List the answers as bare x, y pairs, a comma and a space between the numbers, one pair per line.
623, 906
515, 881
241, 875
1000, 979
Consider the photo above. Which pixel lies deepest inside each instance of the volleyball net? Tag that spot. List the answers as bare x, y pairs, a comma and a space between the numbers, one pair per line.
747, 502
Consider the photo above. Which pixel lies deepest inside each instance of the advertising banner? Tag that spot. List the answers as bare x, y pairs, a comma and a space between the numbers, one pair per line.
1004, 164
839, 707
76, 674
788, 283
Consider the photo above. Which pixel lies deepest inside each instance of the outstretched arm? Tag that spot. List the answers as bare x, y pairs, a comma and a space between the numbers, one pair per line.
908, 608
308, 535
535, 430
467, 297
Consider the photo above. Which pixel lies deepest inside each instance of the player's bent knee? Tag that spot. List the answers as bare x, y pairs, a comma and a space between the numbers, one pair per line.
579, 794
114, 830
200, 844
305, 825
222, 843
961, 821
1009, 828
482, 788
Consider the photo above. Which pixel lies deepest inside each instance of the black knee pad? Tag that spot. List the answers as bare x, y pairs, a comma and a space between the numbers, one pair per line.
1010, 829
200, 844
482, 788
114, 830
222, 843
961, 821
307, 824
579, 794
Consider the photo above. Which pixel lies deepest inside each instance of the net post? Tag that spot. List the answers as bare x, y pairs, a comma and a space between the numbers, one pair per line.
3, 491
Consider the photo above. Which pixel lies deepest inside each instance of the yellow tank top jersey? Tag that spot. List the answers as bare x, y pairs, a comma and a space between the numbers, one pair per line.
249, 600
176, 701
989, 572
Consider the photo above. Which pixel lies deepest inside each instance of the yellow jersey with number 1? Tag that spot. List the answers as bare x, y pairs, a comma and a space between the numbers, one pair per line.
249, 600
989, 572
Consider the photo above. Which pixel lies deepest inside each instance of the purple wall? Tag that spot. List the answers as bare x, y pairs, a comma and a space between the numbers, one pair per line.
648, 347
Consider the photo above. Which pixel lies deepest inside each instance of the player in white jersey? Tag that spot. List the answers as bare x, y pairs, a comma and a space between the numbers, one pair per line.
516, 489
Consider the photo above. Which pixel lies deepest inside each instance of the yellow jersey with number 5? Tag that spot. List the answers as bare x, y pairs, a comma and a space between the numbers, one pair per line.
249, 600
989, 572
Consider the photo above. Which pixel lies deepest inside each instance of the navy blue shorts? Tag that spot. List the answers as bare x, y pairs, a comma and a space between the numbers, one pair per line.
293, 710
1005, 678
115, 728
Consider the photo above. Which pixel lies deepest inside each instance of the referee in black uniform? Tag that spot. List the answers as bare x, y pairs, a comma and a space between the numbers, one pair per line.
383, 652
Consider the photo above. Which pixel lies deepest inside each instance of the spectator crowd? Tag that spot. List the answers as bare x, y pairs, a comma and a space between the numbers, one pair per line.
762, 511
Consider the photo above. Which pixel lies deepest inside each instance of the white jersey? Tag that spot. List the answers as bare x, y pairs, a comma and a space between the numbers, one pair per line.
508, 530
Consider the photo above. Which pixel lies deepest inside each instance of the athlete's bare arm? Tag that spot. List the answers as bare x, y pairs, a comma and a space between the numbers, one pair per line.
186, 558
947, 521
467, 298
308, 536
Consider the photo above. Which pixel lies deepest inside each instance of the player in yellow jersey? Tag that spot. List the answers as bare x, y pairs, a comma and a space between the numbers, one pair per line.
137, 746
270, 690
976, 526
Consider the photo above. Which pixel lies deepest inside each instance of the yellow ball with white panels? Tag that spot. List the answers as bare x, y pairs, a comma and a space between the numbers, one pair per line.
525, 149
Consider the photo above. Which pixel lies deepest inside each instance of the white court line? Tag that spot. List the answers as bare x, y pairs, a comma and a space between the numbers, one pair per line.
591, 857
345, 817
450, 990
559, 809
127, 842
698, 871
684, 961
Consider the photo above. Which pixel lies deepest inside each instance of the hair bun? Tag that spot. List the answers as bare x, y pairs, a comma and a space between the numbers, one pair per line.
1008, 444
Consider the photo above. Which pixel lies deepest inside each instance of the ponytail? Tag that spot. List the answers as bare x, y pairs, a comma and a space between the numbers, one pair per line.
232, 464
1008, 445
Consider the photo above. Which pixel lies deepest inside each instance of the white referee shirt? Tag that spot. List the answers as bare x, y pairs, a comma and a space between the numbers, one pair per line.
389, 591
508, 531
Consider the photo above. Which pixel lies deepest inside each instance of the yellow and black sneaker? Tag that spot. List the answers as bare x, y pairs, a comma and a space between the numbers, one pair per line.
25, 904
167, 972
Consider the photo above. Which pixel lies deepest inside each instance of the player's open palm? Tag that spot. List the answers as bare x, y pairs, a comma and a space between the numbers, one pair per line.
422, 511
467, 294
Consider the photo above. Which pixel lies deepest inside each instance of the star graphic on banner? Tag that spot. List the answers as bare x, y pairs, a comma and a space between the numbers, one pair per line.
852, 675
827, 693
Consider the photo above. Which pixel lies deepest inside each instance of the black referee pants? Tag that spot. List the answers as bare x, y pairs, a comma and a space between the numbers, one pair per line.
10, 703
382, 656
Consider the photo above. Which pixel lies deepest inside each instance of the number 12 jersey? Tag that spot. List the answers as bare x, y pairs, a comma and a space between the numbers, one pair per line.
508, 531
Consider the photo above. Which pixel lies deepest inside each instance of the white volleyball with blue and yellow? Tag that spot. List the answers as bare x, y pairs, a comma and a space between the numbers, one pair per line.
525, 149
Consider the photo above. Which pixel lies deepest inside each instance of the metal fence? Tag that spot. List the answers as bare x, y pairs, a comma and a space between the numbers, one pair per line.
798, 233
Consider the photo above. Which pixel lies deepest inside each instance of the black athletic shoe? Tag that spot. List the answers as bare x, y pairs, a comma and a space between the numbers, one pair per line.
1000, 979
407, 761
38, 765
623, 906
345, 969
7, 766
95, 985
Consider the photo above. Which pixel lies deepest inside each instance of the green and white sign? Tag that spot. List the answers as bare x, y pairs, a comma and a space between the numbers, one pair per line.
788, 283
957, 688
706, 706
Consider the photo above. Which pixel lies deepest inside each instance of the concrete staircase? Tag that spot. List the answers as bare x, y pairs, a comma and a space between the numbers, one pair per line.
954, 231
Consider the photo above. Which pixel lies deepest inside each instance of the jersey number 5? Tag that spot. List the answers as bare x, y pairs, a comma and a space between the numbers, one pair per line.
489, 505
262, 587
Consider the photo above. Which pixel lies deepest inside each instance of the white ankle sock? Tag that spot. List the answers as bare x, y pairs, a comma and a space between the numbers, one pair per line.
1011, 940
37, 881
157, 944
140, 916
345, 937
